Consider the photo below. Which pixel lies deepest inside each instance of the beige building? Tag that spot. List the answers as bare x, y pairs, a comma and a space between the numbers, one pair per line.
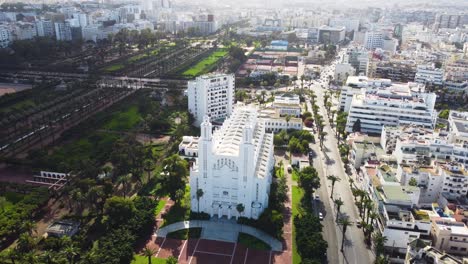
450, 236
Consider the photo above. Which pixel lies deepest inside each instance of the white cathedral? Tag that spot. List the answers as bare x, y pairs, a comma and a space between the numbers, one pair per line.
234, 166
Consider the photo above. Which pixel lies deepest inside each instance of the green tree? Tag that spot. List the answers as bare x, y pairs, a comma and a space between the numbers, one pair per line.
379, 243
118, 210
357, 126
148, 166
333, 180
171, 260
309, 180
174, 176
240, 208
413, 182
444, 114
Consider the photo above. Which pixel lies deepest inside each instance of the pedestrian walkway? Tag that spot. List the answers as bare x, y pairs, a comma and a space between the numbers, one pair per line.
221, 231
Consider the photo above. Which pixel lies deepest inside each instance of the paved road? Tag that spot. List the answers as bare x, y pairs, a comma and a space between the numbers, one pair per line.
355, 250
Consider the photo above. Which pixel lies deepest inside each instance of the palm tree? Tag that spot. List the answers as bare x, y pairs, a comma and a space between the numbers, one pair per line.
379, 243
148, 166
70, 252
48, 257
322, 136
351, 181
338, 204
125, 181
333, 180
199, 195
148, 252
11, 254
29, 227
287, 118
345, 223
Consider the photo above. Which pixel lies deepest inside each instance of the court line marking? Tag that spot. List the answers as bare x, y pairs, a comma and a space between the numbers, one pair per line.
195, 250
182, 250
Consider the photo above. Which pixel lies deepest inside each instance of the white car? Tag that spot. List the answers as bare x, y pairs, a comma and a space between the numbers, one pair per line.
320, 216
317, 197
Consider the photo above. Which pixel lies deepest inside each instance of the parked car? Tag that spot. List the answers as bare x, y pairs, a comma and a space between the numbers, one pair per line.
359, 223
320, 216
317, 197
289, 168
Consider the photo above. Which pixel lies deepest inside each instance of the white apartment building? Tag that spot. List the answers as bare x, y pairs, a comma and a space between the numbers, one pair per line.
429, 74
373, 39
288, 104
395, 105
234, 166
45, 28
24, 31
348, 23
358, 57
63, 31
5, 36
450, 236
354, 85
343, 71
211, 95
458, 126
275, 122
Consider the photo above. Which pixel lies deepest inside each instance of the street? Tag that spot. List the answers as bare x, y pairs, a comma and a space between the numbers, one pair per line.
328, 162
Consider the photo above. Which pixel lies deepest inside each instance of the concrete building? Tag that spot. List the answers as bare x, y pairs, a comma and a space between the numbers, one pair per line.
420, 252
449, 21
287, 104
353, 86
275, 122
6, 36
343, 71
278, 45
331, 35
373, 39
63, 31
398, 104
429, 74
234, 166
45, 28
23, 30
450, 236
358, 58
211, 95
348, 23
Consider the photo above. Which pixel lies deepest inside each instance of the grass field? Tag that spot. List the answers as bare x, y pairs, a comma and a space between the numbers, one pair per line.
252, 242
206, 64
114, 67
139, 259
124, 120
143, 55
297, 194
160, 206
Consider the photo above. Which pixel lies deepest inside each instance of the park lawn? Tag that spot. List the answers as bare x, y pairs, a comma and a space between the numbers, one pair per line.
114, 67
20, 106
96, 145
252, 242
139, 259
143, 55
124, 120
160, 206
205, 65
297, 194
295, 175
184, 234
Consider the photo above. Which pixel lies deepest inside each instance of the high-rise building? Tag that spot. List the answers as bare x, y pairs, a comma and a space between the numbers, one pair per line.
449, 21
373, 39
233, 167
63, 31
45, 28
211, 95
5, 36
